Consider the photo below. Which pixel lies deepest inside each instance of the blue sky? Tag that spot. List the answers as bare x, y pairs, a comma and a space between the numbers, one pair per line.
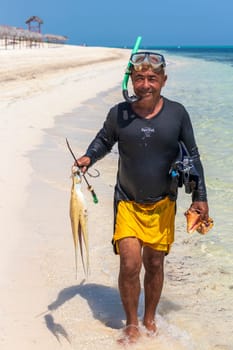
109, 23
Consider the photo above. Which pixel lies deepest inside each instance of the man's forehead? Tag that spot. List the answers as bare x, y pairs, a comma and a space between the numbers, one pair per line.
148, 72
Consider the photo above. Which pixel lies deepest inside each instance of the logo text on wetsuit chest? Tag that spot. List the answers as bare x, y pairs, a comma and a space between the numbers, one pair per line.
147, 131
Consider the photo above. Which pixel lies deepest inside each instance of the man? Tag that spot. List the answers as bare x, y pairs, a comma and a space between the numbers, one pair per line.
147, 132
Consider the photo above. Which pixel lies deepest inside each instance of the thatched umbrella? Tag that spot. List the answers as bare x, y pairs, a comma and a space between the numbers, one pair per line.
13, 35
55, 39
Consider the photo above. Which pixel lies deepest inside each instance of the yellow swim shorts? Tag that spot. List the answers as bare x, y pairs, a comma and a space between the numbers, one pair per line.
153, 224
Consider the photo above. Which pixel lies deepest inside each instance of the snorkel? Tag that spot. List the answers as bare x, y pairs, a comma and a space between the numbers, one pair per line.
125, 93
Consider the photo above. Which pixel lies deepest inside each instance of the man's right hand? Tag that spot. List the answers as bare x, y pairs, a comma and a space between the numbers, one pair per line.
83, 163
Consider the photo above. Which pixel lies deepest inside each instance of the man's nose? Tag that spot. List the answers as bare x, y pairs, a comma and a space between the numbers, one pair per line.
146, 83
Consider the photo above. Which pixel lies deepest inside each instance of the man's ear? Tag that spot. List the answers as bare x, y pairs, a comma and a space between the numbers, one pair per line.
164, 79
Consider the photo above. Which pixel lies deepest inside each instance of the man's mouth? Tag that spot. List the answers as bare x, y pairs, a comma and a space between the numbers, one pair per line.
146, 93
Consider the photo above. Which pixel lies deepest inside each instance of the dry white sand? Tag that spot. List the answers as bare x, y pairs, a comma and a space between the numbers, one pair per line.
37, 85
42, 305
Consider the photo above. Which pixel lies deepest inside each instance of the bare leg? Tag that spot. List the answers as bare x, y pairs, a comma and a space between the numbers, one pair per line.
153, 283
129, 284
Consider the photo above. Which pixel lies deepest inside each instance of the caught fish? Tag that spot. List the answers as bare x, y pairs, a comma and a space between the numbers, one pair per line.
78, 217
195, 223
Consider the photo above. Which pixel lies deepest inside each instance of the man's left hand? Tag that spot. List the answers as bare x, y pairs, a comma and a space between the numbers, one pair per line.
203, 208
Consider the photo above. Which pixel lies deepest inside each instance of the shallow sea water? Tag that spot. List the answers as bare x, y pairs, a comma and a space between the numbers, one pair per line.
195, 311
205, 89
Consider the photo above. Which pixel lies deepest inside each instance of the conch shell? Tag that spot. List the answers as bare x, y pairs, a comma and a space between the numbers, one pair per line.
195, 223
205, 226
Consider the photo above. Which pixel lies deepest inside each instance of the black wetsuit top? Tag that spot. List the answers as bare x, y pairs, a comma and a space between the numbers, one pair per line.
147, 148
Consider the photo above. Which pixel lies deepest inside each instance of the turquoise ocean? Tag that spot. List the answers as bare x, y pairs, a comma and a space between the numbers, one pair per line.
202, 80
196, 307
203, 83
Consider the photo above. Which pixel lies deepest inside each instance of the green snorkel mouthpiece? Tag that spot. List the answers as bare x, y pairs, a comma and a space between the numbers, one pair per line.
125, 93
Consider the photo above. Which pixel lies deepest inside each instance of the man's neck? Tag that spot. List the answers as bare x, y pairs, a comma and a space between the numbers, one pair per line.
149, 110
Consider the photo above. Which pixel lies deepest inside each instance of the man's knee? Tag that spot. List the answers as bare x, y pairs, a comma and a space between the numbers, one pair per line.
130, 257
129, 267
153, 260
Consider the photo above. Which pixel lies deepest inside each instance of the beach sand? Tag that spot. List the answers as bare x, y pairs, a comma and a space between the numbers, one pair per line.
36, 86
48, 94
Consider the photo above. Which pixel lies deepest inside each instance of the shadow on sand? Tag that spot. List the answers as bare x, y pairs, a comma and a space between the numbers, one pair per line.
56, 329
103, 301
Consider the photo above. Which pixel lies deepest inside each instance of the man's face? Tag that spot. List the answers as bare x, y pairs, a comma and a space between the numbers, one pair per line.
148, 83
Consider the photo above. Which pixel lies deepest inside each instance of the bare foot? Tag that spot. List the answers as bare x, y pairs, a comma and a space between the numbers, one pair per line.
131, 334
151, 328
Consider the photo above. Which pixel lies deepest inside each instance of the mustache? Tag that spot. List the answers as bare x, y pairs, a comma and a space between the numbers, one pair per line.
145, 91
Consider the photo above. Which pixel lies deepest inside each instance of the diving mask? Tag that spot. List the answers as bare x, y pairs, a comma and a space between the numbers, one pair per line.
139, 59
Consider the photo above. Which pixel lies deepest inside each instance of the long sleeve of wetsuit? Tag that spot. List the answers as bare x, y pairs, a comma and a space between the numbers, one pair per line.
187, 136
200, 194
105, 138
